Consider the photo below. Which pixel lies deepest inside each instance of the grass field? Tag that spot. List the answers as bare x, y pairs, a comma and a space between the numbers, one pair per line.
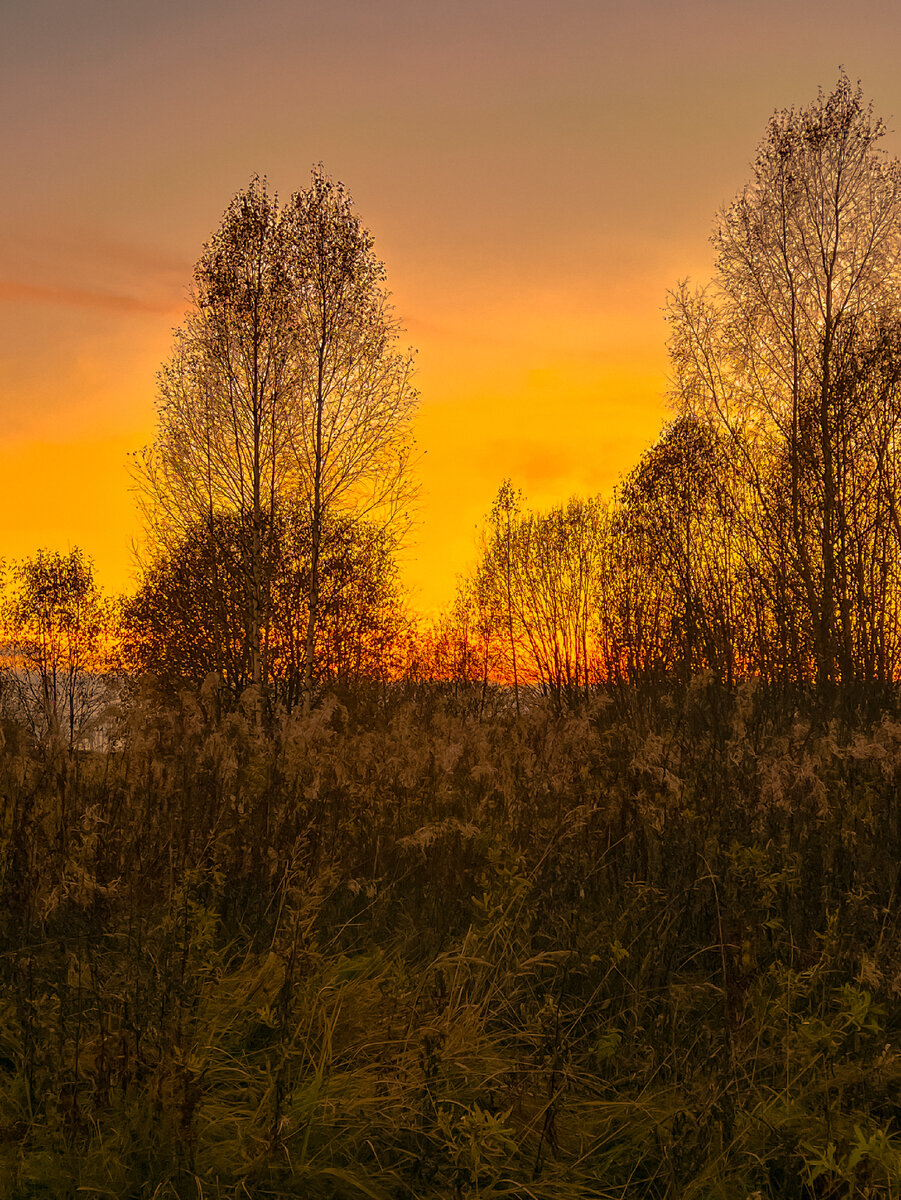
396, 949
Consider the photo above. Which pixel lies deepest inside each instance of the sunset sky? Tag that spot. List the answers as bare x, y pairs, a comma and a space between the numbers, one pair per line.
537, 174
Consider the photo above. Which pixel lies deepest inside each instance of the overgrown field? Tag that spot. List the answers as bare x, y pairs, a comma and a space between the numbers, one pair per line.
401, 949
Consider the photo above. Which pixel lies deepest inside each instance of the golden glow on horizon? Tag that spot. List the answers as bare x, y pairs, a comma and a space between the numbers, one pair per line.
488, 410
558, 395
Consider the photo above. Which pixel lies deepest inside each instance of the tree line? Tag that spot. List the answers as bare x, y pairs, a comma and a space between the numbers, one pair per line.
760, 536
275, 492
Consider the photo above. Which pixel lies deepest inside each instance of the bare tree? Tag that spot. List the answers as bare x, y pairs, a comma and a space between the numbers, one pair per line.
351, 434
675, 504
535, 589
808, 257
285, 382
496, 573
225, 400
55, 620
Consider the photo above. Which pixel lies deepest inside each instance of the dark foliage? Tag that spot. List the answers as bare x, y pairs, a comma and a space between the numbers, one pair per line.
605, 954
193, 614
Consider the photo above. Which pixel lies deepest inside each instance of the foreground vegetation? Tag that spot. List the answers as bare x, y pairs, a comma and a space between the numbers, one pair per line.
398, 949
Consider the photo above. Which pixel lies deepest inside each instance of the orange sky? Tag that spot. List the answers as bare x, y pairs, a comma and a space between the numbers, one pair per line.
536, 174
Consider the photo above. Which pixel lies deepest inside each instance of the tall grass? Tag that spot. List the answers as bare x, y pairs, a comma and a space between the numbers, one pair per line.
395, 950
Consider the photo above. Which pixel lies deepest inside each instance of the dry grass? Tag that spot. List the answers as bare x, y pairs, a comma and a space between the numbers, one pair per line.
642, 950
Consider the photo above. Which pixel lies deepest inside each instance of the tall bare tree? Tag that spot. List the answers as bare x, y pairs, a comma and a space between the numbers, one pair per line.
808, 259
351, 435
497, 570
285, 383
226, 399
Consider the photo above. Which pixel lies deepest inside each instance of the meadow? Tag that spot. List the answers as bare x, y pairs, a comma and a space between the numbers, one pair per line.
414, 945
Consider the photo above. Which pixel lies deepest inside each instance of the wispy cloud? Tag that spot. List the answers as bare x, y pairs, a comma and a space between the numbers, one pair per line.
14, 292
